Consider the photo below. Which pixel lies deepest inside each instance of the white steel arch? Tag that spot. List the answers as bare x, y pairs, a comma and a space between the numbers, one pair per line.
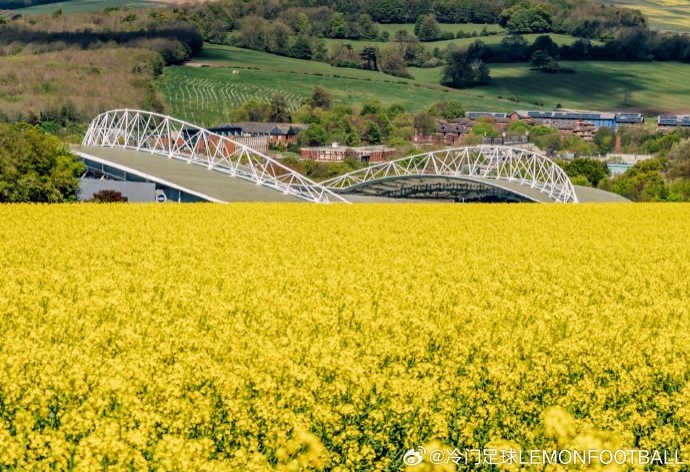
160, 134
475, 162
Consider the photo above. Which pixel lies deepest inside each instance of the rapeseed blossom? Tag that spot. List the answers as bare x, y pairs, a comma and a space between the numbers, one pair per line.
256, 337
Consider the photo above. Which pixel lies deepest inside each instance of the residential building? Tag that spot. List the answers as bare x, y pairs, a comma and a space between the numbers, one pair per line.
672, 121
338, 153
277, 133
580, 120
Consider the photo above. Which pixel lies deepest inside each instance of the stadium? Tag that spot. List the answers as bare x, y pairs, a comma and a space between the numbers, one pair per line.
152, 157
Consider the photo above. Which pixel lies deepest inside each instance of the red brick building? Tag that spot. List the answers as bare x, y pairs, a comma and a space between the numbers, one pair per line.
337, 153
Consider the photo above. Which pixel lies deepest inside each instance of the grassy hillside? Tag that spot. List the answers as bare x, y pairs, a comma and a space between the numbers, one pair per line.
205, 94
644, 86
83, 82
68, 68
672, 15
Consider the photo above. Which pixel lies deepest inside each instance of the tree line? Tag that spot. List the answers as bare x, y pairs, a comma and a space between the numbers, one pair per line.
225, 21
12, 4
175, 40
631, 44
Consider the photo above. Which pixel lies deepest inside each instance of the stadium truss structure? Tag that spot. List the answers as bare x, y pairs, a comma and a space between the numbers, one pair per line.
159, 134
478, 163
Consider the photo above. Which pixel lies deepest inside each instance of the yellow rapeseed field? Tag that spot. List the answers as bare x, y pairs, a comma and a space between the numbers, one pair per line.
257, 337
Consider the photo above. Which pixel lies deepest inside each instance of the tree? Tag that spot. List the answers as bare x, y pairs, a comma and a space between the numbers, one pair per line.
373, 133
344, 56
513, 48
392, 63
542, 61
315, 135
301, 48
518, 127
458, 73
546, 44
605, 139
369, 57
477, 51
401, 37
546, 138
424, 123
257, 111
427, 28
254, 33
375, 107
679, 157
591, 169
109, 196
36, 167
278, 40
387, 11
395, 110
462, 73
643, 182
525, 18
321, 98
403, 127
484, 128
302, 23
448, 110
544, 54
367, 27
339, 27
578, 146
279, 108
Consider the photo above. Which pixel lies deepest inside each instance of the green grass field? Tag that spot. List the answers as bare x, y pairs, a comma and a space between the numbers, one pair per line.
204, 95
648, 87
78, 6
671, 15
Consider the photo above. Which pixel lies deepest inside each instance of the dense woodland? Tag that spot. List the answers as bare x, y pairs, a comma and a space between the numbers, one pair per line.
352, 19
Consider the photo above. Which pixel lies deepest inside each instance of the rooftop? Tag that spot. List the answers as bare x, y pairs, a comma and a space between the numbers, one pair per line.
337, 147
253, 127
566, 115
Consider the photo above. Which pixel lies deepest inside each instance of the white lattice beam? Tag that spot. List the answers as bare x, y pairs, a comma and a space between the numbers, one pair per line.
487, 162
159, 134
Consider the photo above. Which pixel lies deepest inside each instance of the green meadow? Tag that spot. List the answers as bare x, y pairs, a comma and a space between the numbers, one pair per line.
647, 87
205, 90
